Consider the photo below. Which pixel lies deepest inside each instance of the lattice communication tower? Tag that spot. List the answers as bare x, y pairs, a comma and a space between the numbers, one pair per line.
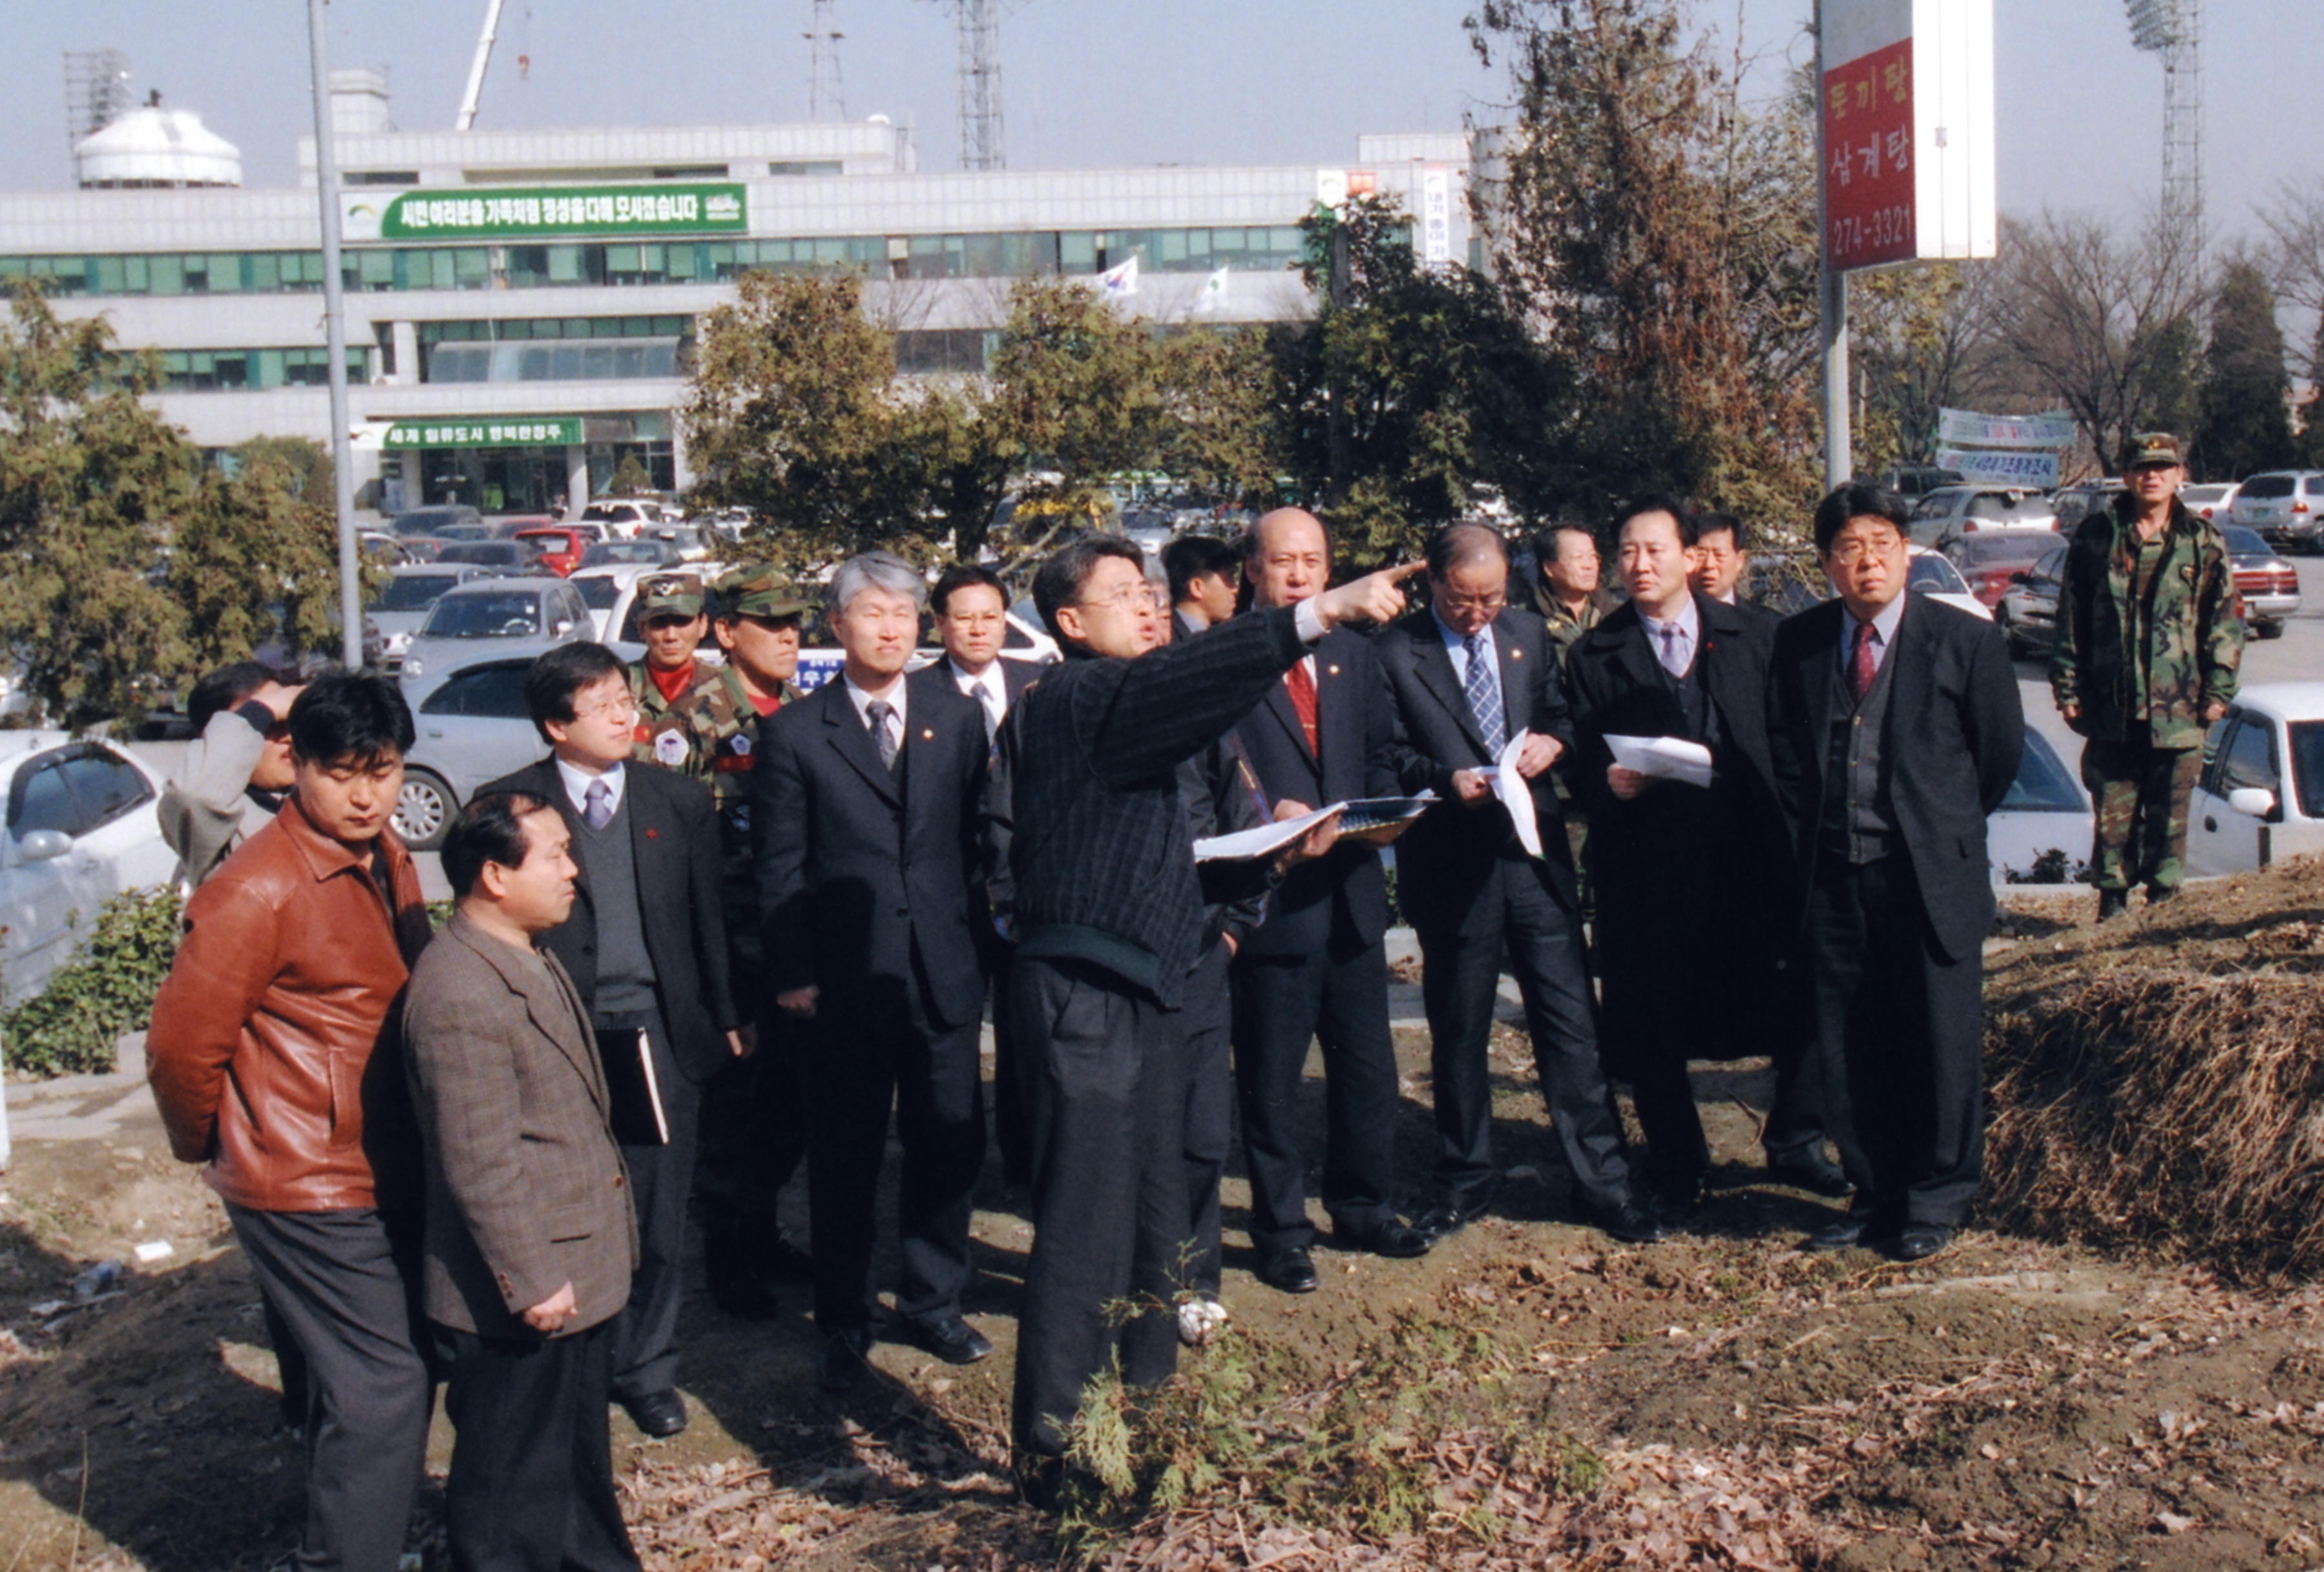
96, 91
825, 99
980, 85
2173, 29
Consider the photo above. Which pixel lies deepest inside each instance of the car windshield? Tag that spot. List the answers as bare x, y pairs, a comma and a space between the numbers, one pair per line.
2243, 540
505, 614
414, 592
2043, 784
653, 553
2197, 495
1932, 574
2000, 507
597, 594
2261, 486
1985, 550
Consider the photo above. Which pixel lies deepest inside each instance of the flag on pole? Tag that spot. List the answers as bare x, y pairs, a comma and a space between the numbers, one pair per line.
1120, 279
1214, 292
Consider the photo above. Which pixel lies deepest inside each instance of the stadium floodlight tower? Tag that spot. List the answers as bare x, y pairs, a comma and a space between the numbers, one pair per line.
2173, 29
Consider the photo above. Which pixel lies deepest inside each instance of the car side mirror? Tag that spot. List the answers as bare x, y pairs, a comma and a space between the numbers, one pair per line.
564, 626
2021, 577
2252, 801
42, 846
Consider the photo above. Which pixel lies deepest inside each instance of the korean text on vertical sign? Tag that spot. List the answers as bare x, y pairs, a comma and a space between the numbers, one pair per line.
1870, 207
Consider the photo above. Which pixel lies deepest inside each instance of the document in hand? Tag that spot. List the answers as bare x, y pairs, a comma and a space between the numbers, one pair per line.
1365, 815
1664, 758
1516, 793
632, 1090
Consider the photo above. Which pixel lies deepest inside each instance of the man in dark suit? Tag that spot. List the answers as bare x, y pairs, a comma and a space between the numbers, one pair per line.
866, 817
1315, 970
1691, 873
1473, 893
1718, 563
1108, 915
531, 1243
646, 948
972, 618
1201, 571
1894, 729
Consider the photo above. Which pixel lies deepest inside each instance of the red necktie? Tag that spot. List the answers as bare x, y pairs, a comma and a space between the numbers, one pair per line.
1862, 665
1303, 702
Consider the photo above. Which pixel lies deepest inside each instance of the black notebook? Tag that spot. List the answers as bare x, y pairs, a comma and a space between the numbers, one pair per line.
632, 1090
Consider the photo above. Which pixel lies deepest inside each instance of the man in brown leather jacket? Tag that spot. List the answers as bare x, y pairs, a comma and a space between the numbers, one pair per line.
274, 1056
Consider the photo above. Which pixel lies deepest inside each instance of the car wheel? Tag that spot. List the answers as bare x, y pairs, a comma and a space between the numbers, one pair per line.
2011, 639
424, 810
2268, 630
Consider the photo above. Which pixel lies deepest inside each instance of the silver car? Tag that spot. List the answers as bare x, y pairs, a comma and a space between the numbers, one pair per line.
83, 826
2286, 507
2260, 798
412, 591
491, 617
472, 728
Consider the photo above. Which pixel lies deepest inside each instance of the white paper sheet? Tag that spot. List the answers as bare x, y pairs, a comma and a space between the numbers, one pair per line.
1516, 793
1663, 758
1361, 814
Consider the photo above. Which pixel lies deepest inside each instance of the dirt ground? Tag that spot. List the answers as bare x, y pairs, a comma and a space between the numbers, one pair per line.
1720, 1400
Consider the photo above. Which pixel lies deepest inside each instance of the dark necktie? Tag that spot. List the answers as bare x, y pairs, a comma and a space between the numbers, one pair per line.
1862, 666
1482, 685
1302, 703
876, 713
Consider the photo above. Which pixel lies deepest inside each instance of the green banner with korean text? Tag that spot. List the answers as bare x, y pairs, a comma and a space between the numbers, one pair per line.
500, 432
548, 212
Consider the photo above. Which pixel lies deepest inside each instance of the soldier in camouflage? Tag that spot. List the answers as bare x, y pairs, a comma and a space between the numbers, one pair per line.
2149, 641
753, 1118
669, 615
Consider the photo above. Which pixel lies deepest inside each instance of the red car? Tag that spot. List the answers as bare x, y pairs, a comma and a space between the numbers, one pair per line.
561, 546
1991, 559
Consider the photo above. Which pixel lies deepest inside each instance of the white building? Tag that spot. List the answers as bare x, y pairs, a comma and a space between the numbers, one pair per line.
518, 301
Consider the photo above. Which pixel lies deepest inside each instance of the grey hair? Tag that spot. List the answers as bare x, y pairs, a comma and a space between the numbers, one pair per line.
876, 570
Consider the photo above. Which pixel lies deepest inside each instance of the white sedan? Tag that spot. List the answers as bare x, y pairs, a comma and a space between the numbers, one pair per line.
2261, 796
83, 826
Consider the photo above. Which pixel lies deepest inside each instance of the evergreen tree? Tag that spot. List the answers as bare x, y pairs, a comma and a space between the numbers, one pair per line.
2246, 425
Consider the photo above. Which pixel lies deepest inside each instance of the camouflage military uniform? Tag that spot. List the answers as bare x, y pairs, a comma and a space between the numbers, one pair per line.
722, 725
666, 735
2149, 637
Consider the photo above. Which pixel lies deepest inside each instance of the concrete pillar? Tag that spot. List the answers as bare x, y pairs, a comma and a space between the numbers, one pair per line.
406, 340
577, 478
413, 479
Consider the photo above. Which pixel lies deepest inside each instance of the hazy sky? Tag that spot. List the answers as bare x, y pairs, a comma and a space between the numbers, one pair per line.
1099, 83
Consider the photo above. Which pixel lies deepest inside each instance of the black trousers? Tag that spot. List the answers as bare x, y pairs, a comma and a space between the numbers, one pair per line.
1460, 967
871, 1053
1337, 997
1899, 1044
344, 1285
1109, 1191
1203, 1031
754, 1130
1012, 1117
532, 1488
645, 1333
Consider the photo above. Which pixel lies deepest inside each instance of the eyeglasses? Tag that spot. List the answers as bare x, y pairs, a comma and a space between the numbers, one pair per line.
625, 705
1488, 604
1127, 599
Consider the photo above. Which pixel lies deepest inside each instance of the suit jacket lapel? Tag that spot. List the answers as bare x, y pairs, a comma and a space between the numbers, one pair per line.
1516, 680
1636, 647
1434, 664
1816, 683
551, 1002
1277, 703
854, 739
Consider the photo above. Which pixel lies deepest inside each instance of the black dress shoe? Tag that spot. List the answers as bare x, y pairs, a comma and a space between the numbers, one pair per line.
948, 1337
1290, 1270
1677, 1196
1455, 1212
840, 1365
1842, 1232
1391, 1239
1920, 1241
1631, 1222
1818, 1178
658, 1414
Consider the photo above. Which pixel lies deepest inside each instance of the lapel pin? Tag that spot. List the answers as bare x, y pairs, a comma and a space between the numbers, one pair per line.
652, 834
927, 735
1330, 670
1516, 654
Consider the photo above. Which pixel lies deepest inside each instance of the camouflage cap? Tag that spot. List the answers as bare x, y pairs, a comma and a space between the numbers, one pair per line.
758, 591
669, 594
2155, 447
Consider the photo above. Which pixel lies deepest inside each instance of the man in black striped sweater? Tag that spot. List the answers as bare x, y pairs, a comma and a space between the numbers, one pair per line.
1109, 920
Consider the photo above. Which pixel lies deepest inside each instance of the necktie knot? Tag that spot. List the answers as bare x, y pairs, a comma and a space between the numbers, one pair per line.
597, 805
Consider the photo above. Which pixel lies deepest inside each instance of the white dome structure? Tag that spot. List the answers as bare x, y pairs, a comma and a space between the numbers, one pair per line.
152, 147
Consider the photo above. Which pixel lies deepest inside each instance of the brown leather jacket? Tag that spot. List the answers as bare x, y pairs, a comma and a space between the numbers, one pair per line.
275, 1049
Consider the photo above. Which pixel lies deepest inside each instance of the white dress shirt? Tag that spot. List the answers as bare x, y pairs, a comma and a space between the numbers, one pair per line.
893, 699
990, 689
578, 780
1689, 628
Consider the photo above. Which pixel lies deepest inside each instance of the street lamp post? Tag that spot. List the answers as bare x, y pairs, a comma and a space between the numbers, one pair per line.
335, 339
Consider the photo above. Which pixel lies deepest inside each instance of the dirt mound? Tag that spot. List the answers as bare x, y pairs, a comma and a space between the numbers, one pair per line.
2158, 1082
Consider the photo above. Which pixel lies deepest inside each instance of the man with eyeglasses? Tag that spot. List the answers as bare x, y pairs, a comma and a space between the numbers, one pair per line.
1466, 674
1110, 922
646, 948
1316, 970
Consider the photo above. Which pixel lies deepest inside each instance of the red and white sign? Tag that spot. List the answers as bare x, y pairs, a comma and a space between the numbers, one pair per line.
1907, 131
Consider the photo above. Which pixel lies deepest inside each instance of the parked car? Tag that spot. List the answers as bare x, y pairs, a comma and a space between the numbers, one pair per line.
2269, 585
83, 826
471, 728
494, 616
2046, 812
2286, 507
2208, 500
436, 520
630, 553
610, 589
380, 547
2028, 611
509, 526
691, 542
421, 548
405, 600
1914, 481
2260, 798
562, 547
626, 516
1964, 510
500, 556
2078, 502
1932, 576
1990, 562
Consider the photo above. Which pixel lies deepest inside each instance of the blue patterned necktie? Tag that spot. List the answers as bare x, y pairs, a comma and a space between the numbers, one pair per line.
597, 805
1483, 688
